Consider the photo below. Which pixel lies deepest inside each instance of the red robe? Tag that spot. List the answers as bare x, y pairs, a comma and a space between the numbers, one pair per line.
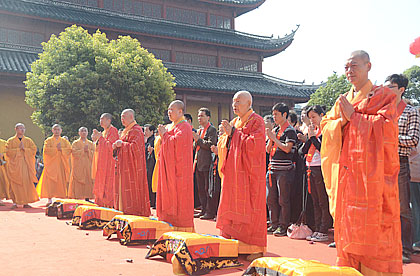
131, 175
175, 189
105, 169
242, 211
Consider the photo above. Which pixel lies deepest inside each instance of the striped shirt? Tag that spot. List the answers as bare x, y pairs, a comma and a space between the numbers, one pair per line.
409, 129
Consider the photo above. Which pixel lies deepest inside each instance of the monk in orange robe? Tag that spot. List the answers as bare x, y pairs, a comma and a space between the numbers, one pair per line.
56, 174
20, 167
360, 165
131, 192
242, 208
175, 187
81, 182
4, 180
103, 167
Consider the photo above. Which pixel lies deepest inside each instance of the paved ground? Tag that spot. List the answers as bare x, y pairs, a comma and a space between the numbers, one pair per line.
33, 244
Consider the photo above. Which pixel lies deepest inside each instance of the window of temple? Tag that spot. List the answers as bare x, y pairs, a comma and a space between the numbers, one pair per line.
218, 21
21, 37
239, 64
186, 16
195, 59
134, 7
164, 55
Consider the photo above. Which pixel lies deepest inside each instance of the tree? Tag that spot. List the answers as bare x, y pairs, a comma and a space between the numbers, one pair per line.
327, 94
79, 76
413, 89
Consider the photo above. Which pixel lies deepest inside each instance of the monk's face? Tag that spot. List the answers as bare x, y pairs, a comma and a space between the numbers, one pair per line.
241, 105
20, 130
203, 119
279, 118
394, 88
174, 112
315, 118
56, 131
105, 122
357, 69
126, 118
83, 133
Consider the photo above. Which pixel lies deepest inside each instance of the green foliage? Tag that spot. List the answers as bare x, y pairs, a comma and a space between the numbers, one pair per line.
413, 89
327, 94
79, 76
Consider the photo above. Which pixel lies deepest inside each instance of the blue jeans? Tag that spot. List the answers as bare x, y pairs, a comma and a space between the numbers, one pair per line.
415, 209
405, 210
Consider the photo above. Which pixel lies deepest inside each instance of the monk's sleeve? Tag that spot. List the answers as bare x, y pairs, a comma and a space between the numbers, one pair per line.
30, 149
91, 151
49, 150
10, 151
76, 151
66, 149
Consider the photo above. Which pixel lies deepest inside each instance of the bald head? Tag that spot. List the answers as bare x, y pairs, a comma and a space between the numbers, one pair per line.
127, 117
242, 103
357, 68
83, 133
176, 110
56, 130
105, 120
360, 54
20, 130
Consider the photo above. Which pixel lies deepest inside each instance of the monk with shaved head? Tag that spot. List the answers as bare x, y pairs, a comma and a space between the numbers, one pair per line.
131, 193
175, 186
360, 166
81, 182
103, 165
241, 150
20, 168
56, 174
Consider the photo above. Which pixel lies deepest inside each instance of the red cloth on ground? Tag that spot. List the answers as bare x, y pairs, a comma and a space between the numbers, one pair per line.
131, 175
175, 190
105, 169
242, 211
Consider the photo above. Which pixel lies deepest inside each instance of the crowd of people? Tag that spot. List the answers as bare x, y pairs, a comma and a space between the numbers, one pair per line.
348, 168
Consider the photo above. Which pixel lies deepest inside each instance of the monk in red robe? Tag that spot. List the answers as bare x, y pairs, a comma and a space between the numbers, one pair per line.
175, 187
242, 210
360, 165
103, 168
131, 192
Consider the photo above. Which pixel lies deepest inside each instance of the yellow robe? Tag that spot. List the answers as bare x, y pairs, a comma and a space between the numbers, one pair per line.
81, 182
54, 178
21, 170
4, 180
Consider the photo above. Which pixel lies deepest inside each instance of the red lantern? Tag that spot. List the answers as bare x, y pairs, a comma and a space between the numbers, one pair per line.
415, 47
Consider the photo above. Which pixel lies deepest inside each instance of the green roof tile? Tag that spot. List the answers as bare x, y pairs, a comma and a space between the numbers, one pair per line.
73, 14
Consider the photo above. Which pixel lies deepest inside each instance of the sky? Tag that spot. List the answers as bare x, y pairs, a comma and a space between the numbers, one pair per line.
330, 30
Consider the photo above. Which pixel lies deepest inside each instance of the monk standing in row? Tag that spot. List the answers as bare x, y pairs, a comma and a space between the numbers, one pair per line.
56, 174
20, 158
81, 182
131, 192
175, 187
103, 168
242, 209
360, 166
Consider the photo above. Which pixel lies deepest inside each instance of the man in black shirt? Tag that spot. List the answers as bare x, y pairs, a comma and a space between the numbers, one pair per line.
280, 175
149, 137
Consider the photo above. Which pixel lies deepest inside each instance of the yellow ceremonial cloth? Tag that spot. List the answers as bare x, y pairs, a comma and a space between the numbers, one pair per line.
56, 174
4, 180
21, 170
81, 182
332, 142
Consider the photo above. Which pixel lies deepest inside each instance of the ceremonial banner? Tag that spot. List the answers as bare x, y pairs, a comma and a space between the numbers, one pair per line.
92, 217
135, 229
196, 254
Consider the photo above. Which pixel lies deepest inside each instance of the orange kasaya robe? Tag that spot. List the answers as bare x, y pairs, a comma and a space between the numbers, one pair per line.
104, 168
131, 189
56, 173
20, 169
242, 210
81, 182
360, 165
4, 180
175, 189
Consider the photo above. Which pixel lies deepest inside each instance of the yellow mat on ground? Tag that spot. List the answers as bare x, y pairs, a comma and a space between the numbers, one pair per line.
91, 217
280, 266
135, 229
64, 208
195, 254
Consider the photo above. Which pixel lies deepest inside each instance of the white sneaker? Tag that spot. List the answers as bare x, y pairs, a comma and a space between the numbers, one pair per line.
309, 238
320, 237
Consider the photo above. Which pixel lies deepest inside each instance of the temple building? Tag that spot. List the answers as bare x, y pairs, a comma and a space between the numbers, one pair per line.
196, 40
